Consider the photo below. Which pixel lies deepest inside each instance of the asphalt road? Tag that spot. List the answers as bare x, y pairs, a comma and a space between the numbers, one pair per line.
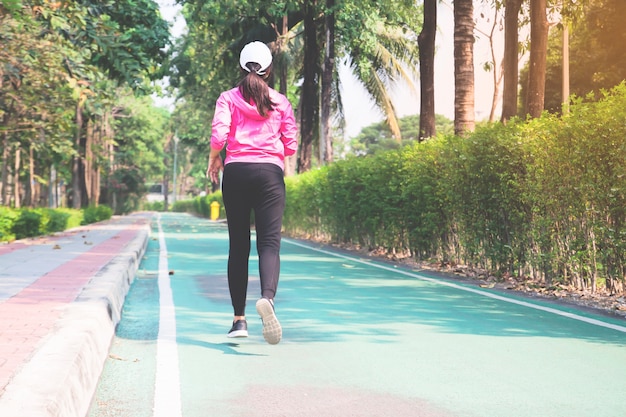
360, 338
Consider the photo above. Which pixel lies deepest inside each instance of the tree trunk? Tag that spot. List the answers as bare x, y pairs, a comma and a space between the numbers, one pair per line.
92, 170
497, 69
538, 56
76, 188
464, 119
328, 68
166, 175
284, 30
426, 42
566, 74
497, 82
99, 143
16, 178
110, 153
4, 183
309, 98
283, 73
31, 178
165, 191
88, 164
511, 59
84, 197
53, 197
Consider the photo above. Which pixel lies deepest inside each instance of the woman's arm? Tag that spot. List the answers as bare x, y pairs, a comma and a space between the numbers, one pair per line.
215, 166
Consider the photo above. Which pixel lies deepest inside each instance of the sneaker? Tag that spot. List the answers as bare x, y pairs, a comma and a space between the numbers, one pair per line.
239, 329
272, 332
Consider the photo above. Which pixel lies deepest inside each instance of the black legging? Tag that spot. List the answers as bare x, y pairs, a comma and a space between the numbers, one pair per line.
259, 187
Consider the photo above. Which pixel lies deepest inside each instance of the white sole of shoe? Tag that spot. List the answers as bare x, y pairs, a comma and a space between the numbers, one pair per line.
238, 333
272, 332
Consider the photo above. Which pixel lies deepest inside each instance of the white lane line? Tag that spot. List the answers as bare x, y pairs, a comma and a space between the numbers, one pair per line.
167, 385
469, 289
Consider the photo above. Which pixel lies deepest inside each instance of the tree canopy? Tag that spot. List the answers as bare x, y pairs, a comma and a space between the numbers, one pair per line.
597, 58
378, 43
378, 137
74, 75
66, 67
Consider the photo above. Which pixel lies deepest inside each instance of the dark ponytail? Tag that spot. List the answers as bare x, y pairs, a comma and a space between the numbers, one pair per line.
254, 88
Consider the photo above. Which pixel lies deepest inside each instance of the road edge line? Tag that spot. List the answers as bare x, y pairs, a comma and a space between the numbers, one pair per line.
167, 402
527, 304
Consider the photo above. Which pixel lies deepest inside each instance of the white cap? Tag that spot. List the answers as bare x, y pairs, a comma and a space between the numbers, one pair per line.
256, 52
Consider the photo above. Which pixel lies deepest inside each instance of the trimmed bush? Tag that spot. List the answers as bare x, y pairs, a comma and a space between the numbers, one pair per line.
544, 198
184, 206
200, 206
25, 223
53, 221
8, 216
28, 224
96, 214
154, 206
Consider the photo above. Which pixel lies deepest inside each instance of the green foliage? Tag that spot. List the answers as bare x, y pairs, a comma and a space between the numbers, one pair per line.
486, 193
141, 130
57, 220
201, 205
28, 224
25, 223
96, 214
54, 220
184, 206
378, 137
58, 57
378, 43
8, 216
598, 58
34, 95
126, 39
597, 54
425, 199
75, 218
154, 206
307, 194
544, 198
128, 186
11, 6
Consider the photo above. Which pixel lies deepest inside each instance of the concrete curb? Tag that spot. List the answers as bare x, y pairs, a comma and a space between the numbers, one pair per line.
61, 378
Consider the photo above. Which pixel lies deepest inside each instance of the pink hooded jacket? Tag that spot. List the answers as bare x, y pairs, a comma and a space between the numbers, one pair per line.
250, 137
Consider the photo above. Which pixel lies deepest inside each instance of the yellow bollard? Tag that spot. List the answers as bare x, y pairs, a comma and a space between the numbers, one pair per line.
215, 210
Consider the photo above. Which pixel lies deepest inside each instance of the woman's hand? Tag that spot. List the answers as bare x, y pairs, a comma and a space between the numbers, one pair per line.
215, 166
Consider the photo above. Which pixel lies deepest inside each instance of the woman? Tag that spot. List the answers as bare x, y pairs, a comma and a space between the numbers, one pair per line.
257, 125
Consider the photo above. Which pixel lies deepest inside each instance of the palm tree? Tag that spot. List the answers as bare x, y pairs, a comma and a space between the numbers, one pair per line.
301, 37
538, 55
511, 59
426, 42
463, 67
393, 58
328, 72
309, 99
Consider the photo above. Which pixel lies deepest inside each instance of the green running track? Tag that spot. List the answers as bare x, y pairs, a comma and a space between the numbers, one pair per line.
360, 338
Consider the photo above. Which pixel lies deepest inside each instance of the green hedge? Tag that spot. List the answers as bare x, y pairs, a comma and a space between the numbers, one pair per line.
544, 198
96, 214
8, 217
200, 206
25, 223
